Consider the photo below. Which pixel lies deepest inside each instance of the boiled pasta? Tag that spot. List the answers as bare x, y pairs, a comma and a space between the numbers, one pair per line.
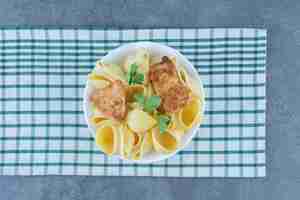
165, 143
141, 58
161, 104
189, 115
140, 121
128, 140
107, 137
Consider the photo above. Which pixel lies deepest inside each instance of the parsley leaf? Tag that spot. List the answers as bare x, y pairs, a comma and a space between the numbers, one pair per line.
139, 78
133, 76
152, 103
140, 98
131, 73
163, 122
129, 78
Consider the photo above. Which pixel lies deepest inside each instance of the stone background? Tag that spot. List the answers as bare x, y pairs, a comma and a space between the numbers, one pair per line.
280, 17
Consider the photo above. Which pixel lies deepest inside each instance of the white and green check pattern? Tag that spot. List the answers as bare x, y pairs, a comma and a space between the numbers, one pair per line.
42, 76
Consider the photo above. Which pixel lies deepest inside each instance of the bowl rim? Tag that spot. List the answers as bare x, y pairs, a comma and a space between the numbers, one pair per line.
191, 133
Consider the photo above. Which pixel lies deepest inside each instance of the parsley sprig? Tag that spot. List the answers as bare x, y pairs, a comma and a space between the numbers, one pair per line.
133, 76
163, 122
150, 104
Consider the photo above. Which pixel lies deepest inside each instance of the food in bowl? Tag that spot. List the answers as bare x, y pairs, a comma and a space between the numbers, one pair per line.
143, 104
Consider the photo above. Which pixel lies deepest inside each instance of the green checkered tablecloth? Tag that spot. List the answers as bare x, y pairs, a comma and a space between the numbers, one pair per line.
42, 127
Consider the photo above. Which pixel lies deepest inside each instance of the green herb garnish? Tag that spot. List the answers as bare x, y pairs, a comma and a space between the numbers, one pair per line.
150, 104
163, 122
139, 78
140, 98
133, 76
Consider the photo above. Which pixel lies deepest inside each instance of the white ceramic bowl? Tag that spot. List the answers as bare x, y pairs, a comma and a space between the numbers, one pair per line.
117, 56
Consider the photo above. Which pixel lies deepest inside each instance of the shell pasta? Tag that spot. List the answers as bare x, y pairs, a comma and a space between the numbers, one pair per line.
141, 107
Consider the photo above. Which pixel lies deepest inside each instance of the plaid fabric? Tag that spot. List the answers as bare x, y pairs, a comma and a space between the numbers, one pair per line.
42, 76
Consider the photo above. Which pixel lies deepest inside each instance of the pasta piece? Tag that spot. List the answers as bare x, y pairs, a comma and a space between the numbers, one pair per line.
147, 143
115, 71
173, 59
149, 91
183, 76
110, 71
164, 142
190, 114
96, 76
135, 155
188, 81
107, 137
128, 140
140, 121
145, 147
182, 73
175, 128
99, 74
98, 84
142, 59
96, 120
137, 140
173, 123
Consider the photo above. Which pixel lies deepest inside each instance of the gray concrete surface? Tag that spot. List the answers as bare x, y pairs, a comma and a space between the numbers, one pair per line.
280, 17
